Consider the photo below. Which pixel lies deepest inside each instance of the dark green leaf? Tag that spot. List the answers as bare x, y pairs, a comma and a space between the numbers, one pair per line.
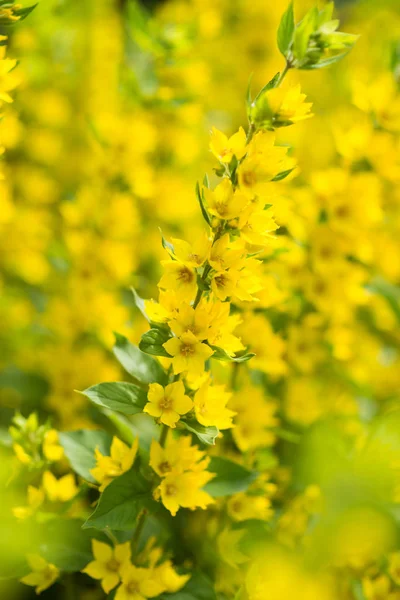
206, 435
121, 502
220, 354
24, 12
138, 364
127, 398
230, 477
202, 206
79, 447
152, 342
286, 30
282, 175
65, 544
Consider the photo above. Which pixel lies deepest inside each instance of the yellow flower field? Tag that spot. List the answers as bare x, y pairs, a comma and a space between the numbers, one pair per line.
200, 300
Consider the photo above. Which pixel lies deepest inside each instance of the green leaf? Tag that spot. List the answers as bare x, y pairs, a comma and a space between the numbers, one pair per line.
65, 544
248, 92
230, 478
199, 587
121, 502
79, 447
138, 364
303, 32
282, 175
202, 205
139, 302
268, 86
124, 397
325, 62
286, 30
220, 354
206, 435
24, 12
152, 342
165, 244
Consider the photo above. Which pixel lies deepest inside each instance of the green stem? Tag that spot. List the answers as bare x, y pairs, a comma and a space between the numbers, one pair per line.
283, 74
138, 531
163, 435
234, 376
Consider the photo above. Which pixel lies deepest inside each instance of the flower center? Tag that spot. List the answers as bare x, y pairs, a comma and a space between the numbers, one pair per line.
133, 587
165, 403
185, 275
187, 350
249, 178
170, 489
164, 467
113, 565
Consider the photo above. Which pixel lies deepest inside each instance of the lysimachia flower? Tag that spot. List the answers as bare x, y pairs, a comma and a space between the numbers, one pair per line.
188, 354
120, 460
168, 404
43, 574
108, 563
210, 406
225, 148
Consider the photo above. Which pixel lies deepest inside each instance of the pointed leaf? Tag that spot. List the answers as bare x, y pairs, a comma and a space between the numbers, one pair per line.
207, 435
121, 502
138, 364
79, 447
124, 397
286, 30
152, 342
230, 478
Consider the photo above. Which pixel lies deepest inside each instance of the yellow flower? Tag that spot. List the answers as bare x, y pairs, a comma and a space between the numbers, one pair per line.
279, 107
179, 278
225, 254
108, 563
121, 460
242, 507
223, 202
59, 490
184, 490
168, 403
35, 499
252, 432
192, 254
375, 589
169, 578
21, 454
177, 456
138, 584
189, 355
228, 547
257, 227
163, 310
193, 320
224, 283
51, 447
225, 148
8, 80
222, 325
210, 406
263, 162
43, 574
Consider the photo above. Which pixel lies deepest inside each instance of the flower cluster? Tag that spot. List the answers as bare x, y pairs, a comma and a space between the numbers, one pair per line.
248, 446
